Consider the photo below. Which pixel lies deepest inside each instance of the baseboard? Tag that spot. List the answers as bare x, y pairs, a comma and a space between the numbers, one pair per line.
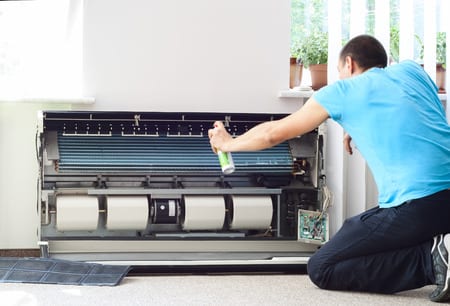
20, 253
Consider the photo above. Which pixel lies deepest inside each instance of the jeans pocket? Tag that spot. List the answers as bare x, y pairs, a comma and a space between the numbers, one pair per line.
378, 218
369, 213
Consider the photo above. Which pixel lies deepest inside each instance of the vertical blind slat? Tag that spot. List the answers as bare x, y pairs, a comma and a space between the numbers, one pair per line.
406, 29
357, 18
334, 37
382, 23
429, 38
446, 28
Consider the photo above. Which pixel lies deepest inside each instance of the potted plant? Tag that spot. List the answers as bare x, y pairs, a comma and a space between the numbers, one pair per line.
313, 53
296, 68
441, 63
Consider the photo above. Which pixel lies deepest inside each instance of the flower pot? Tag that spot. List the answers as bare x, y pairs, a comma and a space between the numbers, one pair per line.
295, 75
440, 78
319, 75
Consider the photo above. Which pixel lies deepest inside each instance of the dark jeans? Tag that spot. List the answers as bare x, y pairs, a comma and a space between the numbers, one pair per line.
383, 250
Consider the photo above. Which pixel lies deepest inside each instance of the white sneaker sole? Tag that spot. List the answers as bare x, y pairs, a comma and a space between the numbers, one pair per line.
447, 246
442, 294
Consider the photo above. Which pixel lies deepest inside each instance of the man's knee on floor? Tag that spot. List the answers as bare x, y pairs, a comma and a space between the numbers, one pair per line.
315, 272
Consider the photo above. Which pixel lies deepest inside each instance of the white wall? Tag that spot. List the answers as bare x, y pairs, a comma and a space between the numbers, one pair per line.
18, 174
177, 55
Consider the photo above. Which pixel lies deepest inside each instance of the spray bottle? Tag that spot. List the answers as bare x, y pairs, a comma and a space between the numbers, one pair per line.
225, 161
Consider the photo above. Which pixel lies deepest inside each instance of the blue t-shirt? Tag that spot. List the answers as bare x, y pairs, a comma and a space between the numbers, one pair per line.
398, 123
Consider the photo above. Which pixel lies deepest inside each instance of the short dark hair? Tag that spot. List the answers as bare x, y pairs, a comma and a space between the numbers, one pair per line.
366, 51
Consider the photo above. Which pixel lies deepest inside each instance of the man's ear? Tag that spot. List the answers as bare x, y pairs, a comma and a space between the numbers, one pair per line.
350, 64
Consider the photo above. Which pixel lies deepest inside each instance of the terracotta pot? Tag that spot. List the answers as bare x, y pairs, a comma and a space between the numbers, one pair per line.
318, 76
295, 75
440, 78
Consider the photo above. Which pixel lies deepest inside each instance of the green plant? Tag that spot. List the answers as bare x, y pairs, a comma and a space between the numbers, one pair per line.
313, 49
294, 49
441, 48
394, 44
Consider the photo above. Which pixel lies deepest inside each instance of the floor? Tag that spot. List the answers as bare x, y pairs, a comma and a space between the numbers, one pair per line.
222, 289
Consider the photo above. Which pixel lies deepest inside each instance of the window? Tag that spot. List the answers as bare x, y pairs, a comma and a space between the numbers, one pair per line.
412, 29
40, 49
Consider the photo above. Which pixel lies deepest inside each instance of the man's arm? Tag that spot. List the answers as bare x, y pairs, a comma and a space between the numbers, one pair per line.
271, 133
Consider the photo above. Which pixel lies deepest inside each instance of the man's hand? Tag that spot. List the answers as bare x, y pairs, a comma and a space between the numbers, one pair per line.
347, 143
219, 137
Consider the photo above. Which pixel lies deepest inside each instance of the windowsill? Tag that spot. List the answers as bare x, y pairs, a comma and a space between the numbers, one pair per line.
52, 100
305, 94
292, 93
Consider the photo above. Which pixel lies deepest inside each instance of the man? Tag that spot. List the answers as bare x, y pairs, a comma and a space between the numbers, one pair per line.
395, 117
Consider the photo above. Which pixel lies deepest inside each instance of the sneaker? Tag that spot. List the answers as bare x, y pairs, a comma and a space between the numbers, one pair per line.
439, 254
